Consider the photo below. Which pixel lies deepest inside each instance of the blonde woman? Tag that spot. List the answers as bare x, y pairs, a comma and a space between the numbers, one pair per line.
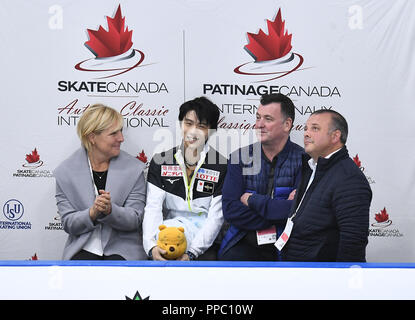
101, 191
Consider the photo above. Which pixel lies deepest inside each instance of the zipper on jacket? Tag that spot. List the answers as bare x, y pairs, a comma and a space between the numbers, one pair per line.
189, 185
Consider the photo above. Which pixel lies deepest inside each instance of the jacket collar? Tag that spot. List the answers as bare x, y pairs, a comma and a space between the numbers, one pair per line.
324, 164
179, 155
282, 156
118, 179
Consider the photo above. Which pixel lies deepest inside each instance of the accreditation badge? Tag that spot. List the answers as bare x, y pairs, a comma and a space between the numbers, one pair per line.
282, 240
266, 236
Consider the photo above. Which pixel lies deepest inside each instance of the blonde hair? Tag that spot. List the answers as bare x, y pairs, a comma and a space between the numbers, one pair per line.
96, 119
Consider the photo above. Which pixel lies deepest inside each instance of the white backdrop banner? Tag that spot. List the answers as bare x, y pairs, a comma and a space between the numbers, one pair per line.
146, 58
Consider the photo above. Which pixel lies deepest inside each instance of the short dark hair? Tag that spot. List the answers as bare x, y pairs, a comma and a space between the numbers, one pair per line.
206, 111
287, 106
338, 122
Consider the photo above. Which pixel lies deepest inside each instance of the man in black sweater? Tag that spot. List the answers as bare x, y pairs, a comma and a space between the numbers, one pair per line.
329, 220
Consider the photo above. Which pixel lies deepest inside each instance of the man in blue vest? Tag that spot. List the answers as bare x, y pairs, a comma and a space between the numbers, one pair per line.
260, 184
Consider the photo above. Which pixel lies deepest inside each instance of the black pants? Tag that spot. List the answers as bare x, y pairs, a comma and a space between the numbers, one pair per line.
210, 254
247, 249
86, 255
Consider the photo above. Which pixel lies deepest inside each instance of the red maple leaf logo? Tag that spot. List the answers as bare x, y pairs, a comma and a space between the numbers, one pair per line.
382, 216
276, 44
33, 157
357, 161
142, 157
113, 42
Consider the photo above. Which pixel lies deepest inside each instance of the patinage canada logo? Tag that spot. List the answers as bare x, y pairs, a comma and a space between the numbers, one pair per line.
358, 162
31, 167
112, 48
383, 226
33, 160
274, 61
272, 53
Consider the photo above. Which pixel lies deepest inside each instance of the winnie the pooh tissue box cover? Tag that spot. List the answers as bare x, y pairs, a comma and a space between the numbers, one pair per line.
173, 241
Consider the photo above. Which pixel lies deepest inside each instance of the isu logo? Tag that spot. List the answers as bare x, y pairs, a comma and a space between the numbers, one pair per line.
272, 53
112, 49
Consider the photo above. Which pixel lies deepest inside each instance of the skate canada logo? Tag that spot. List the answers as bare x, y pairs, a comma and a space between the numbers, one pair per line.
33, 167
54, 224
362, 168
383, 226
112, 49
143, 158
113, 56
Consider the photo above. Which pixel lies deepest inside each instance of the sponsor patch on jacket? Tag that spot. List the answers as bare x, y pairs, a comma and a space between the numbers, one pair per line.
205, 186
208, 175
171, 171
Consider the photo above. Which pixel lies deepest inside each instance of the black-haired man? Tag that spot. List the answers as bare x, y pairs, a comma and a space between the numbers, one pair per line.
184, 185
257, 194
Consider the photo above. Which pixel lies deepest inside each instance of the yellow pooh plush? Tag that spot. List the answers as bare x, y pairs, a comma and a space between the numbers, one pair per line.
173, 241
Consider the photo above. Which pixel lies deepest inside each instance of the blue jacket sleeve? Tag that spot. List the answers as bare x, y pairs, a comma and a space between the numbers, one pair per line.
270, 209
276, 210
234, 211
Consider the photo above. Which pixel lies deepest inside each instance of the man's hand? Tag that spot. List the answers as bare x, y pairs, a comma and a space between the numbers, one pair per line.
244, 198
292, 195
157, 253
184, 257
